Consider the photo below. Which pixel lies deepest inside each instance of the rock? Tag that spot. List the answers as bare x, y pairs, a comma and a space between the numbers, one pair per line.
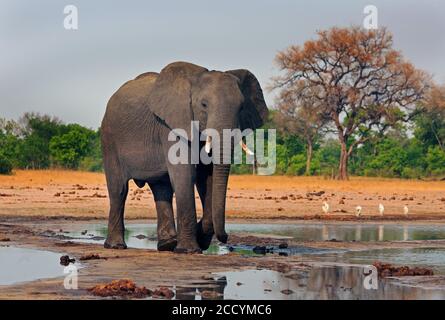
163, 292
287, 291
91, 256
123, 288
283, 245
341, 201
389, 270
66, 260
316, 194
5, 239
141, 236
209, 294
260, 249
97, 195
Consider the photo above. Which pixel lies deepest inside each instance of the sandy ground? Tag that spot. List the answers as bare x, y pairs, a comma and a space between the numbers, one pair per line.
84, 195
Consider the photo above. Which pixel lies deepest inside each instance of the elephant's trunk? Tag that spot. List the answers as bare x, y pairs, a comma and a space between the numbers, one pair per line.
220, 179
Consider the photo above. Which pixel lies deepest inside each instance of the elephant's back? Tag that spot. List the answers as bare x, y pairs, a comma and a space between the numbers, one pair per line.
136, 91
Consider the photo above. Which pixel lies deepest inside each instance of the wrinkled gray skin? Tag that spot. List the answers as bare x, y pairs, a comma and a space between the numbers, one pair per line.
135, 144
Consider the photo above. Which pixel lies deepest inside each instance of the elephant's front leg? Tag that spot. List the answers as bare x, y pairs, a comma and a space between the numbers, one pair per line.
204, 187
182, 177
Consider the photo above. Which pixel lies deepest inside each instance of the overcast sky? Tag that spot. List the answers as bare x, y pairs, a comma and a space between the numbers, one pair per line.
72, 74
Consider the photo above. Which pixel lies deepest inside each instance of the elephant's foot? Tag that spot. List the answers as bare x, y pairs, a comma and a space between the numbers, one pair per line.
111, 243
167, 245
188, 247
204, 237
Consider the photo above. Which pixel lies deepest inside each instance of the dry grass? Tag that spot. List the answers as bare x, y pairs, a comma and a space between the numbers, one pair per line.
84, 195
317, 183
48, 177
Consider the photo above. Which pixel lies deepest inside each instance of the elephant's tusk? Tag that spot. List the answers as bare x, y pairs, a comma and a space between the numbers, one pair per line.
208, 145
245, 148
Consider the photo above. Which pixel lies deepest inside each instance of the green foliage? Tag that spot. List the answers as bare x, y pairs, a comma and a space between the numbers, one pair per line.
40, 142
71, 147
5, 165
435, 159
37, 142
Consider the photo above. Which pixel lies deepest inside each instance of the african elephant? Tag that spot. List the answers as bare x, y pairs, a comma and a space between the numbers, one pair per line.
135, 145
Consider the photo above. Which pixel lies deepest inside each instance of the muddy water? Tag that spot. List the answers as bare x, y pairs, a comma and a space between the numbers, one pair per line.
21, 265
319, 283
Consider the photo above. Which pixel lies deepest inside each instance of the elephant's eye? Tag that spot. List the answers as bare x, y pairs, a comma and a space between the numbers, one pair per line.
204, 103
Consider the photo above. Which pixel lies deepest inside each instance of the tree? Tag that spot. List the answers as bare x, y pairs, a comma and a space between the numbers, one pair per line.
357, 79
69, 148
430, 122
37, 131
302, 120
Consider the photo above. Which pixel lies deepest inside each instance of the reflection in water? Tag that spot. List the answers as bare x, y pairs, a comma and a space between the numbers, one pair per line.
319, 283
405, 233
433, 258
20, 265
299, 232
381, 232
358, 233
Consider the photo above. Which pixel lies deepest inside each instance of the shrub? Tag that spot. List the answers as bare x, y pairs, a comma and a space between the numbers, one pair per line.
5, 165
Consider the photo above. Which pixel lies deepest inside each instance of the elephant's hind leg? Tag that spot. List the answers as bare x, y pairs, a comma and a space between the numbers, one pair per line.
118, 191
163, 196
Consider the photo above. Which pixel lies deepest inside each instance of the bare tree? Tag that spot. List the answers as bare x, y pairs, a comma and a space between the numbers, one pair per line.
358, 79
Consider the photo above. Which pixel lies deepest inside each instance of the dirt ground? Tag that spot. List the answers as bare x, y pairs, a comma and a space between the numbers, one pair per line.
83, 195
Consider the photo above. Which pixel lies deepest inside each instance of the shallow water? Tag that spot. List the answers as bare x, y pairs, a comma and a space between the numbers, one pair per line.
21, 265
299, 232
320, 283
423, 257
433, 258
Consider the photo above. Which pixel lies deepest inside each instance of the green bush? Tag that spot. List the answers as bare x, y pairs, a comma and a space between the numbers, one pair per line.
5, 165
435, 159
92, 164
297, 165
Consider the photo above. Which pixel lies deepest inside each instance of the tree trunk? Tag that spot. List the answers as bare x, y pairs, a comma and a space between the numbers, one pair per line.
343, 166
308, 158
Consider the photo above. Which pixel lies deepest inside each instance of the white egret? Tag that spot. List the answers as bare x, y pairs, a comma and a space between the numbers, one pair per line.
381, 209
325, 207
358, 211
405, 210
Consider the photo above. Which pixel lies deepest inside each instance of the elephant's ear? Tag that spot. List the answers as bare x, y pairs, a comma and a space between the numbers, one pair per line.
254, 111
170, 98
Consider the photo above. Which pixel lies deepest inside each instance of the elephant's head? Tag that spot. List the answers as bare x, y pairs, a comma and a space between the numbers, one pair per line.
185, 92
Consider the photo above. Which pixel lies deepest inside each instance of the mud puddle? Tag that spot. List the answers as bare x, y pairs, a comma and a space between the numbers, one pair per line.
22, 265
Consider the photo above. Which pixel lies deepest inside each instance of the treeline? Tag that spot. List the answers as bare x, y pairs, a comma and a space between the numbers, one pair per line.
40, 142
415, 151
